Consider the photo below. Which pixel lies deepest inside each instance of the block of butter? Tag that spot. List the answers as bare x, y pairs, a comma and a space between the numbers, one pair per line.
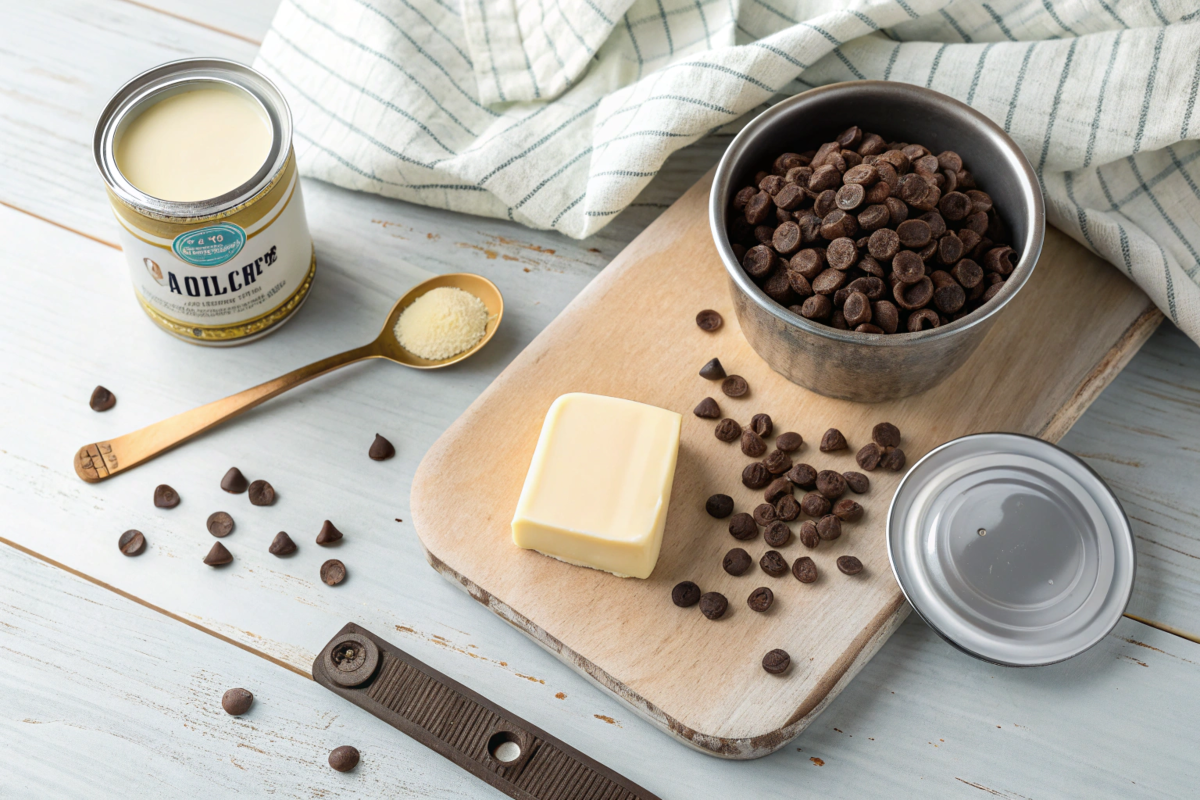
597, 491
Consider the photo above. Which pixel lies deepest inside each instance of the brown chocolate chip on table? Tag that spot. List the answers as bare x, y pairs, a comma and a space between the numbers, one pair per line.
847, 510
282, 545
778, 489
381, 449
776, 662
756, 475
132, 543
344, 758
218, 556
804, 569
328, 534
743, 527
165, 496
803, 476
777, 534
262, 494
736, 561
833, 440
708, 409
234, 481
709, 320
752, 444
102, 399
237, 702
773, 563
760, 599
685, 594
893, 459
829, 527
815, 504
735, 386
869, 456
808, 535
789, 442
858, 483
219, 524
762, 425
885, 434
787, 508
831, 484
849, 565
728, 430
713, 370
333, 572
713, 605
719, 506
764, 514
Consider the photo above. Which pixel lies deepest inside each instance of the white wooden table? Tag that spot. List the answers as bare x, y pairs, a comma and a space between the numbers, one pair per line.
111, 669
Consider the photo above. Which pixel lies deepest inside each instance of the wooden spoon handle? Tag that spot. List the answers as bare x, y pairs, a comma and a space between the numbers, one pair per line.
100, 460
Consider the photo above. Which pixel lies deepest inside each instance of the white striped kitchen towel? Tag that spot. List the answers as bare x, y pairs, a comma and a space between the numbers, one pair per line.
556, 113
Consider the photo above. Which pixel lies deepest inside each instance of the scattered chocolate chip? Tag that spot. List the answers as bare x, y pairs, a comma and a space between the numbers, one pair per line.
808, 535
282, 545
713, 605
743, 527
333, 572
789, 442
849, 565
831, 484
833, 440
815, 504
728, 430
893, 459
858, 483
102, 399
381, 449
869, 456
344, 758
708, 409
218, 556
709, 320
777, 534
752, 444
132, 543
237, 702
829, 527
735, 386
764, 514
719, 506
262, 494
165, 496
773, 563
736, 561
685, 594
885, 434
847, 510
777, 489
328, 534
755, 475
778, 462
803, 476
805, 570
760, 599
787, 508
762, 425
234, 481
776, 662
219, 524
713, 370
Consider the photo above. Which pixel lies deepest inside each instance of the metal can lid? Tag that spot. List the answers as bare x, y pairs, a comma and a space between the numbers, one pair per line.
1011, 549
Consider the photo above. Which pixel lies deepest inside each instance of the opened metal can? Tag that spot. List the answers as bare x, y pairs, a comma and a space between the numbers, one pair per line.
216, 270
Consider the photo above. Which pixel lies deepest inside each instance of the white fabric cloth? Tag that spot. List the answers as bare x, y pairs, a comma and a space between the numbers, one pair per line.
556, 113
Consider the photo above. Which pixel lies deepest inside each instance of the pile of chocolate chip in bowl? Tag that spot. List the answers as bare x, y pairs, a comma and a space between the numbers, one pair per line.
872, 236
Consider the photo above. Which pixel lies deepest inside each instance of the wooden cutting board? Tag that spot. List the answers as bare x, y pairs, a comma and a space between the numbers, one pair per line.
631, 333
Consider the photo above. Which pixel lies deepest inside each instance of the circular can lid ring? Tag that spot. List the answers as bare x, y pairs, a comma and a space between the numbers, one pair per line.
1012, 549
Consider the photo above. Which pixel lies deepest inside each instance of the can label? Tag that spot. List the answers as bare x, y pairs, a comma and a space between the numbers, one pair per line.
221, 281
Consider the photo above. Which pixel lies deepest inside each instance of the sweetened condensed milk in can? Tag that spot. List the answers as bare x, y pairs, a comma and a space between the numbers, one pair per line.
197, 156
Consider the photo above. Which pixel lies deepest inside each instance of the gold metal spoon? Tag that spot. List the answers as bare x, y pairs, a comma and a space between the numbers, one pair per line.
100, 460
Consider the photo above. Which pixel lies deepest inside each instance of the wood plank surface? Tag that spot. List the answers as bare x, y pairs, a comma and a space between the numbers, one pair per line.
632, 334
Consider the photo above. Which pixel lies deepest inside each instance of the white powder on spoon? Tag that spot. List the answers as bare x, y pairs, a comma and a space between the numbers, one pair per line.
442, 323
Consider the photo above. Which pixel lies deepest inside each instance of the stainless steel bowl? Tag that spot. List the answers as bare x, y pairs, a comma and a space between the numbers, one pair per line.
862, 366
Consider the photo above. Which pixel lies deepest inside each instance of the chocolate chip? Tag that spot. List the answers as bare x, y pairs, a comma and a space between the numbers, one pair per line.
829, 527
262, 494
815, 504
849, 565
234, 481
831, 484
789, 442
913, 296
685, 594
237, 702
787, 508
847, 510
858, 483
219, 524
736, 561
804, 569
381, 449
908, 267
713, 605
102, 399
893, 459
132, 543
777, 534
759, 262
708, 409
282, 545
833, 440
710, 320
776, 662
344, 758
778, 462
885, 314
735, 386
761, 424
712, 371
752, 444
165, 496
218, 556
743, 527
333, 572
777, 489
869, 456
819, 306
328, 534
764, 514
719, 506
756, 475
760, 599
967, 273
885, 434
803, 476
773, 563
808, 535
999, 260
728, 430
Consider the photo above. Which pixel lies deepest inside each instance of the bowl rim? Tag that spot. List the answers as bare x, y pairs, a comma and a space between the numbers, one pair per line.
1030, 188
